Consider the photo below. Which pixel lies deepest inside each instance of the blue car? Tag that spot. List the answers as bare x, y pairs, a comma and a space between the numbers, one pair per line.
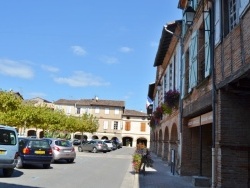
34, 151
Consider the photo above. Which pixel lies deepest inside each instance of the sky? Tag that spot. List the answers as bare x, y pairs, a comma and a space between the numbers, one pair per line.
79, 49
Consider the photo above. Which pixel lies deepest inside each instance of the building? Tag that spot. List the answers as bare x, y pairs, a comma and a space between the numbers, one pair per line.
207, 136
129, 126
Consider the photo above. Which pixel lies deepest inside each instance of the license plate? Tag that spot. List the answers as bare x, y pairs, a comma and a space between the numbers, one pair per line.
39, 152
67, 151
2, 152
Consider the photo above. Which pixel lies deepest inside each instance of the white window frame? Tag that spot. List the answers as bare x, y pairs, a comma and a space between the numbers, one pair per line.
97, 110
117, 112
105, 125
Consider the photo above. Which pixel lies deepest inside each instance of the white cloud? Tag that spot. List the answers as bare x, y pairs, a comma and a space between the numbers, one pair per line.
126, 49
78, 50
15, 69
81, 79
109, 60
49, 68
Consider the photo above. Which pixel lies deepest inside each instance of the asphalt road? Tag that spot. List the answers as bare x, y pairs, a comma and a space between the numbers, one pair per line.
89, 170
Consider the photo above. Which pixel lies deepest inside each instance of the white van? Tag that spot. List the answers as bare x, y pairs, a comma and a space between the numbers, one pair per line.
8, 149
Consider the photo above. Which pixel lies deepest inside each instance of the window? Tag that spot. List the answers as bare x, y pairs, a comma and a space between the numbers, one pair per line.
127, 126
143, 127
78, 110
105, 125
68, 109
193, 52
227, 15
106, 110
117, 111
97, 110
116, 125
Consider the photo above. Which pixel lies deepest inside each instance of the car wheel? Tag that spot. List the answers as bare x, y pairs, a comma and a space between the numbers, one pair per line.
46, 166
19, 162
70, 160
7, 172
80, 149
94, 150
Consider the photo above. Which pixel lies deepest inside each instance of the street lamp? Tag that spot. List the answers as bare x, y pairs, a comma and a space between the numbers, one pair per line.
189, 15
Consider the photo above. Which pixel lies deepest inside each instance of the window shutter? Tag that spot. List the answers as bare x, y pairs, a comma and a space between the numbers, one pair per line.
143, 127
207, 44
195, 4
119, 126
105, 125
193, 61
243, 5
183, 76
217, 22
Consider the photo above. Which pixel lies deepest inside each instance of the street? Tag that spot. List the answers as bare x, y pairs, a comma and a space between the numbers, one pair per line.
91, 170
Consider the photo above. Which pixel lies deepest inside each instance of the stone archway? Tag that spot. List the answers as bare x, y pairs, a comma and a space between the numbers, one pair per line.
142, 141
159, 153
127, 141
31, 133
174, 145
105, 138
166, 155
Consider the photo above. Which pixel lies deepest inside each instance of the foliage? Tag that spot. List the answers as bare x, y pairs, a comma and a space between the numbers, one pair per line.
158, 112
166, 109
53, 122
171, 98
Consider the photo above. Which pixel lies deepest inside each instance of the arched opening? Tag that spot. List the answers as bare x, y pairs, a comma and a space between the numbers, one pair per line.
127, 141
159, 153
166, 155
31, 133
142, 141
95, 137
104, 138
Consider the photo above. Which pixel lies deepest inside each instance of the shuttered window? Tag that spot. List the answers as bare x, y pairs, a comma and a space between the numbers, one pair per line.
127, 126
143, 127
183, 76
193, 61
207, 44
217, 22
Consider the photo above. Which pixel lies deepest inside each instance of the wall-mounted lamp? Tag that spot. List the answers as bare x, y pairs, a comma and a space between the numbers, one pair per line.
189, 15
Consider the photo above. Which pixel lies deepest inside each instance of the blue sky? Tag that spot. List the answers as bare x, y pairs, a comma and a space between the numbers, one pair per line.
80, 49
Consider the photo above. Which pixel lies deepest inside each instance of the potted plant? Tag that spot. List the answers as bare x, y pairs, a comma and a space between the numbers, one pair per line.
171, 98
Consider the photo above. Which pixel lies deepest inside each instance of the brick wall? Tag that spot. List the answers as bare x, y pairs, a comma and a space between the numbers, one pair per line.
233, 140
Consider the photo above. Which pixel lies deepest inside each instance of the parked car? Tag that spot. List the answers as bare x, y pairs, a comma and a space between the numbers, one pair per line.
114, 144
94, 146
62, 149
8, 149
110, 145
76, 142
34, 151
117, 143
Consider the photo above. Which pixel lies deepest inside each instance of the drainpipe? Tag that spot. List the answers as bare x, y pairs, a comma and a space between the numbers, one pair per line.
212, 29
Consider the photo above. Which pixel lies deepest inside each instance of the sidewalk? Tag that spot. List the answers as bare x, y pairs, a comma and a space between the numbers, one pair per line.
160, 176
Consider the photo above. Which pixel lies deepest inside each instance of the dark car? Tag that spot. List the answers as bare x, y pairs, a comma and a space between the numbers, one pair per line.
117, 143
34, 151
93, 146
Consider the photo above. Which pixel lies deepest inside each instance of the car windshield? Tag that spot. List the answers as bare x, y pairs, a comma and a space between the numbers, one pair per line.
64, 143
39, 144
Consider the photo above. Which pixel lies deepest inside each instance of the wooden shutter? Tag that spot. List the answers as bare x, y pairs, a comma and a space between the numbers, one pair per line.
143, 127
183, 76
193, 61
207, 44
127, 126
217, 22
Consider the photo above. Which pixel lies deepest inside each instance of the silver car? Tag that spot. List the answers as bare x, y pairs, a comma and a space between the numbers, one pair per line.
93, 146
62, 149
